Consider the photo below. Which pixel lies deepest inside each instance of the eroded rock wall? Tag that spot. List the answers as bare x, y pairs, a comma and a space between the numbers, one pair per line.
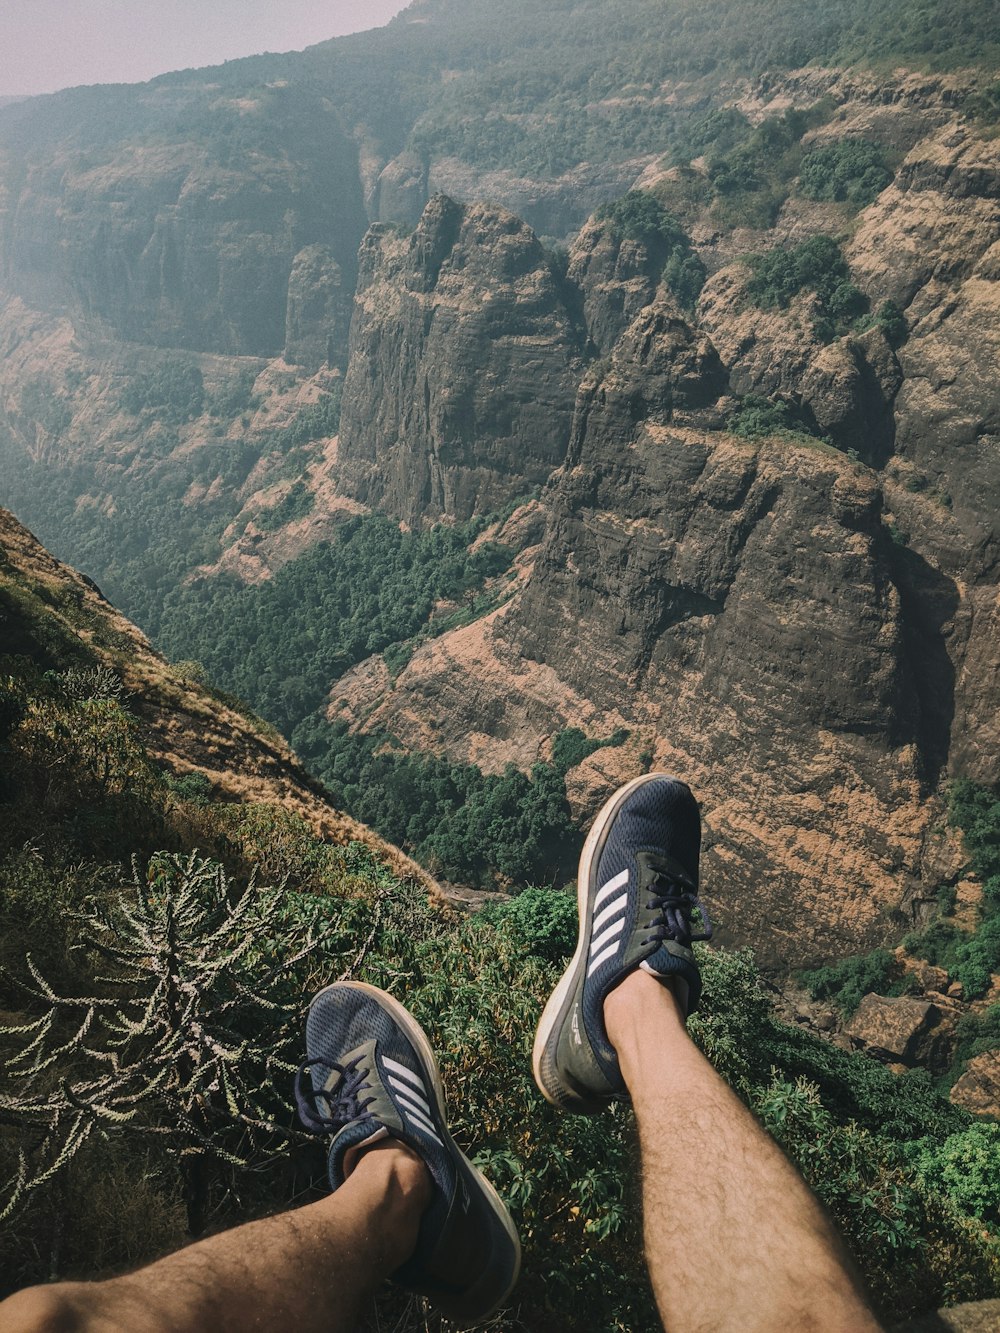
463, 365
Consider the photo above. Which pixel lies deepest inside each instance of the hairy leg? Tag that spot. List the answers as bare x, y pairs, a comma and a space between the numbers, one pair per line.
315, 1268
734, 1239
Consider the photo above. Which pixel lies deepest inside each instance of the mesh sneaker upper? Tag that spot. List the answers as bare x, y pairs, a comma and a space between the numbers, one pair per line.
657, 829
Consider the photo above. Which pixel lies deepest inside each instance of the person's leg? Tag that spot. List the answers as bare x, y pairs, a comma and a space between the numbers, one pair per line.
406, 1203
734, 1239
315, 1268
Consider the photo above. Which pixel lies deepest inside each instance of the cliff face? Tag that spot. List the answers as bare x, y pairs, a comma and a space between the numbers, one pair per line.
186, 239
463, 365
45, 605
809, 636
733, 605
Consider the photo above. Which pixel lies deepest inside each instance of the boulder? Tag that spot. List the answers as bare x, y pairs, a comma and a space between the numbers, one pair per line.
970, 1317
899, 1029
978, 1090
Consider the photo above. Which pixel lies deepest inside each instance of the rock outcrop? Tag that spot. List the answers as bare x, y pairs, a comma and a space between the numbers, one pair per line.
189, 242
463, 364
903, 1029
978, 1090
318, 313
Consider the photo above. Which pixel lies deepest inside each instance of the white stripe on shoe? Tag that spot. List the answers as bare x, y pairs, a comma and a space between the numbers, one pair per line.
607, 936
610, 911
403, 1072
609, 952
410, 1092
613, 885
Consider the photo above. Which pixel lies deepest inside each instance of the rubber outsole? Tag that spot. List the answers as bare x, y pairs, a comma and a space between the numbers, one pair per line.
418, 1039
560, 1003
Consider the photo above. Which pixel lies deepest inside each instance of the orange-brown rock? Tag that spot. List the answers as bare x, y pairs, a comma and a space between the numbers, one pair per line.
464, 361
978, 1090
898, 1029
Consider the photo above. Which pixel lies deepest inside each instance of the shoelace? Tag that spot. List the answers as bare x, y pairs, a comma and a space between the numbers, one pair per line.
343, 1101
675, 905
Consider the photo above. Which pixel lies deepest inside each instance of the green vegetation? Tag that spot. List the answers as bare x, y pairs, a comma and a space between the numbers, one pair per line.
281, 644
817, 265
845, 984
89, 797
966, 1167
542, 103
757, 418
172, 389
852, 171
639, 216
983, 106
751, 181
296, 503
461, 823
970, 957
572, 746
889, 318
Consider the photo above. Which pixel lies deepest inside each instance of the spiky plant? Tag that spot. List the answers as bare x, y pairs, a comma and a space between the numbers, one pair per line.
188, 1038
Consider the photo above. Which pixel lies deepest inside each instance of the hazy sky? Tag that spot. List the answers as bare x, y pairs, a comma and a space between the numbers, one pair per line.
50, 44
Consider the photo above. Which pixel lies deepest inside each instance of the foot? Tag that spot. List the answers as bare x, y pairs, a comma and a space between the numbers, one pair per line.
370, 1075
636, 893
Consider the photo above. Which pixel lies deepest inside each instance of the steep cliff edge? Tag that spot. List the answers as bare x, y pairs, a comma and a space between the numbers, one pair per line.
463, 363
185, 236
734, 605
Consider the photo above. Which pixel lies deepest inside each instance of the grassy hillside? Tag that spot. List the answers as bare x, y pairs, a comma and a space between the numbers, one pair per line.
97, 840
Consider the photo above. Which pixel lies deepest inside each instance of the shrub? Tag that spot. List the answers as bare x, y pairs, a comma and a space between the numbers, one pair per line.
846, 983
976, 811
850, 171
185, 1036
966, 1167
977, 957
571, 746
172, 388
890, 319
817, 265
758, 417
545, 920
983, 105
640, 216
193, 787
684, 273
297, 503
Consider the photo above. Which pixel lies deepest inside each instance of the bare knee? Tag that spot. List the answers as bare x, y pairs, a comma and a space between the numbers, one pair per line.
41, 1310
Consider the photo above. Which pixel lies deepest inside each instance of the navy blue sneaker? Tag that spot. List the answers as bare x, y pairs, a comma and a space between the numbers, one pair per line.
636, 895
370, 1074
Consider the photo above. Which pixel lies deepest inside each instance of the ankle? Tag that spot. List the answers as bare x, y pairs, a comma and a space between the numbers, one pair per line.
392, 1167
639, 1005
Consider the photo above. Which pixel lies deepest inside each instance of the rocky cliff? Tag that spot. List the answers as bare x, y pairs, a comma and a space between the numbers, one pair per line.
187, 727
800, 614
805, 628
464, 360
185, 236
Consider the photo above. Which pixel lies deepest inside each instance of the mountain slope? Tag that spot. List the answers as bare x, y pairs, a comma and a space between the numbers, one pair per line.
55, 619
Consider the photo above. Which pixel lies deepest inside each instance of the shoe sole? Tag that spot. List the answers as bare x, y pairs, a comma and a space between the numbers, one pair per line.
418, 1039
560, 1003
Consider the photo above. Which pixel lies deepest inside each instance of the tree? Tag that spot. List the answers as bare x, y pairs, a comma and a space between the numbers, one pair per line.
187, 1039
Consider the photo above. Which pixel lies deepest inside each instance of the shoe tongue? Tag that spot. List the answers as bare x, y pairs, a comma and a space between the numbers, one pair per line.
358, 1131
